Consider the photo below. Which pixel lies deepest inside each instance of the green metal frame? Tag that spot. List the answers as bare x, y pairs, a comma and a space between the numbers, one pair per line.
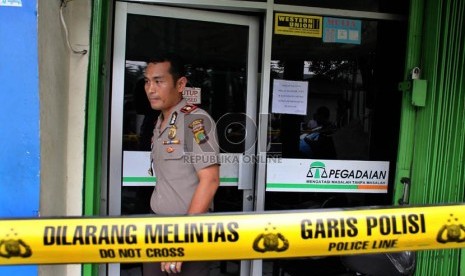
407, 123
100, 27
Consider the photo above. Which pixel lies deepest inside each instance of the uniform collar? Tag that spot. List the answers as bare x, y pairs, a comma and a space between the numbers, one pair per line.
176, 108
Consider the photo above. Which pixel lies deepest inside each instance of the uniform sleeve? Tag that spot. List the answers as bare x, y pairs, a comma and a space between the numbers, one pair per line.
201, 140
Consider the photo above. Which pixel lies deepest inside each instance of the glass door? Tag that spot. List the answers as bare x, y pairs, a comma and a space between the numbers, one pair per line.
221, 50
338, 139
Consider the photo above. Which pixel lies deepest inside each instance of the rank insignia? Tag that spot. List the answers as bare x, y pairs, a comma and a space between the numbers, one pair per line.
188, 108
173, 118
172, 132
199, 131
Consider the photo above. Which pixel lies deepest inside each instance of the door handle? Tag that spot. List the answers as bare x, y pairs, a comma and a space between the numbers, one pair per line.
246, 175
405, 195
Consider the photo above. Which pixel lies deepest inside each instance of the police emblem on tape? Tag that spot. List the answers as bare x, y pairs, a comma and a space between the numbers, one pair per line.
14, 248
451, 232
270, 240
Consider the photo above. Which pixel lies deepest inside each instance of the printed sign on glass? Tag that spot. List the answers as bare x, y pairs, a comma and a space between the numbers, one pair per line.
342, 30
339, 176
297, 25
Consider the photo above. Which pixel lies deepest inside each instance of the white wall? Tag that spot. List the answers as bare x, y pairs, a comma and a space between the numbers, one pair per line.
63, 80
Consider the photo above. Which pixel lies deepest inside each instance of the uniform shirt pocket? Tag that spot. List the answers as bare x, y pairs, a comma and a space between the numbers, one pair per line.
173, 152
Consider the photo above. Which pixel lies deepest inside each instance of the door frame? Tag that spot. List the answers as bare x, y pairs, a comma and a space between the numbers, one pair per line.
266, 8
246, 170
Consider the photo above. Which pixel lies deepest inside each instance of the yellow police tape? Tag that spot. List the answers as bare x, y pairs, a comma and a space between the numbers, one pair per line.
230, 235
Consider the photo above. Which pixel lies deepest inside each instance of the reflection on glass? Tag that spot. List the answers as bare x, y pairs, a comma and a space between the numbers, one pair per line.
337, 101
216, 56
353, 107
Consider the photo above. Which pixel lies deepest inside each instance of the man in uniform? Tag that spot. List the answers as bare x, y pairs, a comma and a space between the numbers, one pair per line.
184, 154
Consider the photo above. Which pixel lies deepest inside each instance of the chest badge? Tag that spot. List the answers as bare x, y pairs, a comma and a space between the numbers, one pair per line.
169, 149
172, 132
199, 131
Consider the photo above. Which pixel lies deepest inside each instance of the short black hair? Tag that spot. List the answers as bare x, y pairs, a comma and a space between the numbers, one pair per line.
177, 68
321, 115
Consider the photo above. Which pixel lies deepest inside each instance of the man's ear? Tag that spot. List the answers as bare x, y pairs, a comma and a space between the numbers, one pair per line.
181, 84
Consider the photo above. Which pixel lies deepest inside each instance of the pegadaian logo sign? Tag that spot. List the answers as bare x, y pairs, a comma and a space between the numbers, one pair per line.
317, 170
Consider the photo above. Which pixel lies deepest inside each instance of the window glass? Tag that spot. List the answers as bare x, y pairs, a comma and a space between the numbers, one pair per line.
352, 106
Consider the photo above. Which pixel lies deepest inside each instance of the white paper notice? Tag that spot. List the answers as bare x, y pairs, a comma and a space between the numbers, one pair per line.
290, 97
192, 95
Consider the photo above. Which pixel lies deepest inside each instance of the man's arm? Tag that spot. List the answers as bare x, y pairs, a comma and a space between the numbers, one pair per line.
209, 180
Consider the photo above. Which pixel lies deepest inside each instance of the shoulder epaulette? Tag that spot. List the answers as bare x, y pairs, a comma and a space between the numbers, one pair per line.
188, 108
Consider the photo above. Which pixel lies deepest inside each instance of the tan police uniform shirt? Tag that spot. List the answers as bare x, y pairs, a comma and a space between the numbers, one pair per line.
187, 144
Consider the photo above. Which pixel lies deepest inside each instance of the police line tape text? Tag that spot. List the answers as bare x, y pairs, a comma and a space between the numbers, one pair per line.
136, 252
347, 227
362, 245
326, 228
127, 234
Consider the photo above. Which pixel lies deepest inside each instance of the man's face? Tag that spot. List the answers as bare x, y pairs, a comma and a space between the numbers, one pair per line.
162, 91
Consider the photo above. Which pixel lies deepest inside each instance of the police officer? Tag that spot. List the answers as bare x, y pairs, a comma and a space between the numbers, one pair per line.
184, 154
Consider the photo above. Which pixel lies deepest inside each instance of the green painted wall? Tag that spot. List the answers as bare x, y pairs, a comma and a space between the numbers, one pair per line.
432, 138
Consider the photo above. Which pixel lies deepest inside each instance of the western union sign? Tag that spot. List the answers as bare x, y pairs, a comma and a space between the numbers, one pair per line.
243, 235
298, 25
